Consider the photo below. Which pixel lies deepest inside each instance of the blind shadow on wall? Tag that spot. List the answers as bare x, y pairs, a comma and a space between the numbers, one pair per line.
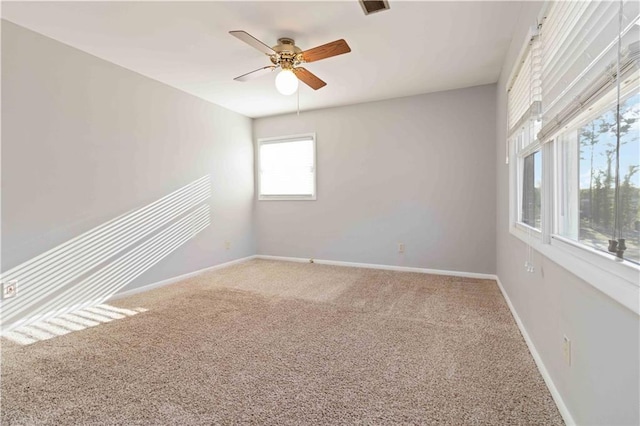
90, 268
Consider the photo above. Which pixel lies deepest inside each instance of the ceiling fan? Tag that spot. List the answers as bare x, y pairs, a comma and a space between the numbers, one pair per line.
287, 56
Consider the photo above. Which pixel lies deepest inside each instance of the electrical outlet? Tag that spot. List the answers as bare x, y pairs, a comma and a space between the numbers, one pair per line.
9, 289
400, 247
227, 245
566, 349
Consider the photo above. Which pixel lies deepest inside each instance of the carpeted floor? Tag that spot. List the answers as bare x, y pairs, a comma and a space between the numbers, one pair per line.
268, 342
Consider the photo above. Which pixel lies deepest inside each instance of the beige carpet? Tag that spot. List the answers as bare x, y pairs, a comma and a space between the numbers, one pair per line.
268, 342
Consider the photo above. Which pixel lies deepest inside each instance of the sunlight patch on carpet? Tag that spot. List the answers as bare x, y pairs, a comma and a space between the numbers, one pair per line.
68, 323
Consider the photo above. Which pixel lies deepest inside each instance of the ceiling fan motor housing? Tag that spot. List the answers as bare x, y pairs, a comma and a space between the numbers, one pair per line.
288, 55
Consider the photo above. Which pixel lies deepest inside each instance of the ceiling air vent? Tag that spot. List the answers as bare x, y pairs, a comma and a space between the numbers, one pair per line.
372, 6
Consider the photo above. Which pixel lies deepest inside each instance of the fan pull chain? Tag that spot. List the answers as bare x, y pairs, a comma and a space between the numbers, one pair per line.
298, 94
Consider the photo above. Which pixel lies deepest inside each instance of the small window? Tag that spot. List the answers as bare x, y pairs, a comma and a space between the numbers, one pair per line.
531, 187
287, 168
527, 204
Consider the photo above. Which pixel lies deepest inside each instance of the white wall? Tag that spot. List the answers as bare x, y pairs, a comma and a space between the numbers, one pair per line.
417, 170
84, 141
601, 387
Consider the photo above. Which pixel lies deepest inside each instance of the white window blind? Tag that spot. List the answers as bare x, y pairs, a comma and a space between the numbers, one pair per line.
287, 168
523, 112
579, 56
525, 89
519, 95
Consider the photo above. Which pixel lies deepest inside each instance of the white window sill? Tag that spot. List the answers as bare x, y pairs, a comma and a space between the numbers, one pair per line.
528, 231
619, 280
286, 198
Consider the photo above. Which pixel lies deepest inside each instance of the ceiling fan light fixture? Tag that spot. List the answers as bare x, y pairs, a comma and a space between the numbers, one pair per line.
286, 82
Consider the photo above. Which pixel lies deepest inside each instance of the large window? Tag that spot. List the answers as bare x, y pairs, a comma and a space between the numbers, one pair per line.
287, 168
601, 180
574, 143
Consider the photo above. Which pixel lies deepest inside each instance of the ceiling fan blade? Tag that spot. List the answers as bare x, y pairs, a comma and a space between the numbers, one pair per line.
256, 73
252, 41
328, 50
309, 78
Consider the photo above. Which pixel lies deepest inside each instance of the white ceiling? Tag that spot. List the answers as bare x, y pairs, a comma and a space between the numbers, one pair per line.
413, 48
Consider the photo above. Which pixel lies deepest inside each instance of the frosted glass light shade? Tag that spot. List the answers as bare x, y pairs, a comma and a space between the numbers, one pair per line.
286, 82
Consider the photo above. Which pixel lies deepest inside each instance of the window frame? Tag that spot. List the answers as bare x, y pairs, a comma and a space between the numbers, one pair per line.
528, 151
622, 268
517, 154
285, 139
517, 227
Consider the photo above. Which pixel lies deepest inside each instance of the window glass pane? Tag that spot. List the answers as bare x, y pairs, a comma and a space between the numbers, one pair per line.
593, 145
629, 214
531, 187
286, 168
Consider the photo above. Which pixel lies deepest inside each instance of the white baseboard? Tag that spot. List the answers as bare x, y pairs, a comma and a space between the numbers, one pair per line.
555, 394
163, 283
377, 266
299, 260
